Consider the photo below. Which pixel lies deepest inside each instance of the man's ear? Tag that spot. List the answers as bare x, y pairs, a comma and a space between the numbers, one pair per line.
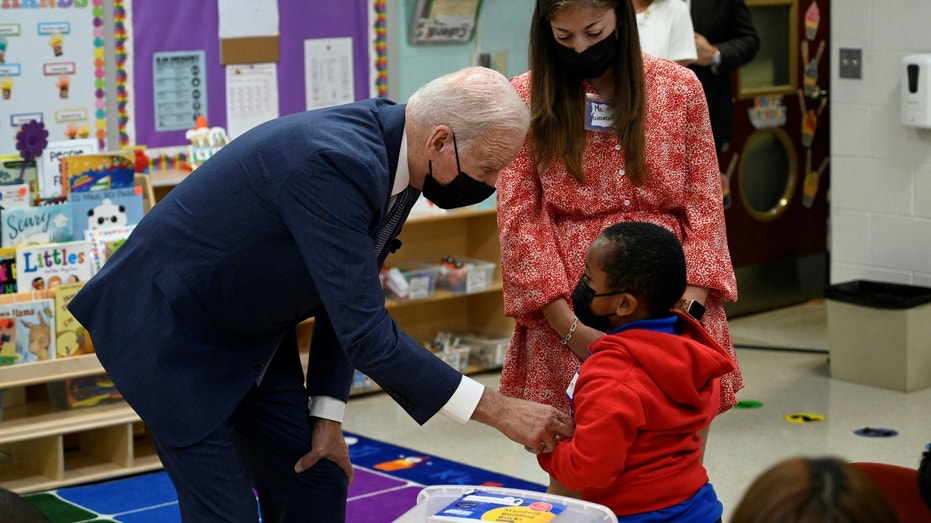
627, 305
437, 140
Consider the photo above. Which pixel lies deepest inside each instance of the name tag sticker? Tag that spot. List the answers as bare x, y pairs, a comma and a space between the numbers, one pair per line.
598, 115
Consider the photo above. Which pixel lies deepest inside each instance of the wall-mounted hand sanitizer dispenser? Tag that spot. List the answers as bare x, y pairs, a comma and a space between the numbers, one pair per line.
916, 90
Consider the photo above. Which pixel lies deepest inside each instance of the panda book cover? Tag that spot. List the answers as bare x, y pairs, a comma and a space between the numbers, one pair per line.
36, 225
41, 267
93, 210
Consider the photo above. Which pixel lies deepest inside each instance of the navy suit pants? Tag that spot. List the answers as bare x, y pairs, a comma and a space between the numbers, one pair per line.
256, 448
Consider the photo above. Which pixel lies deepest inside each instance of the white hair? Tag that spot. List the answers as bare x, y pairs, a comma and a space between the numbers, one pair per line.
474, 102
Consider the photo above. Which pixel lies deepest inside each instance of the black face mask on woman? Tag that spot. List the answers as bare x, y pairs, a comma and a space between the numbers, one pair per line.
462, 191
592, 62
582, 298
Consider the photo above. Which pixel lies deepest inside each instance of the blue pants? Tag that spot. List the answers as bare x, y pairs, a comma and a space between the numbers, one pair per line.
256, 448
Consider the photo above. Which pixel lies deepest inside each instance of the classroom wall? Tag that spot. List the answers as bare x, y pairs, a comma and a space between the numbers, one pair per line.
503, 27
880, 169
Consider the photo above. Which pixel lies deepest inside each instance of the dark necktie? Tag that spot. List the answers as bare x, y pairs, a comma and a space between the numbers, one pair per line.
401, 204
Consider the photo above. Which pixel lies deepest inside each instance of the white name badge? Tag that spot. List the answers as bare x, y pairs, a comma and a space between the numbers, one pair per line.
598, 115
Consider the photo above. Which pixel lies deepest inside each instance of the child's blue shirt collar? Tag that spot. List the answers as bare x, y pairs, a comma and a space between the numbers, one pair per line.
667, 325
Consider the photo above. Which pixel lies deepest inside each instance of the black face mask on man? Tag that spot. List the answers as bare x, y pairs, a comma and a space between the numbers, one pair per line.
582, 298
462, 191
592, 62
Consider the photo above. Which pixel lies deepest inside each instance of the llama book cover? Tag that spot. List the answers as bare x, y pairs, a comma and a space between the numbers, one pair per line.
110, 208
35, 225
40, 267
35, 329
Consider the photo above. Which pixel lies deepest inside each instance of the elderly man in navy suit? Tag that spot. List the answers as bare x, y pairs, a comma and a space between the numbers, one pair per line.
194, 316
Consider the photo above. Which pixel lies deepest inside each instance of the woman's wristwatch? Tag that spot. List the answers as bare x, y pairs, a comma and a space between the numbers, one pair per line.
692, 307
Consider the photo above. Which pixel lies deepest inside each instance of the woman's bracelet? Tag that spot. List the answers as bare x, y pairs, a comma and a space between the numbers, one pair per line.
575, 323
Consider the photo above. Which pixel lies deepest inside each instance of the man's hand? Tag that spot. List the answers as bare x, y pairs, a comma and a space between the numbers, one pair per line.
535, 426
327, 442
705, 50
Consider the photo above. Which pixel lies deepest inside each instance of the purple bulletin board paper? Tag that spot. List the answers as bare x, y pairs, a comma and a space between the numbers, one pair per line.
176, 25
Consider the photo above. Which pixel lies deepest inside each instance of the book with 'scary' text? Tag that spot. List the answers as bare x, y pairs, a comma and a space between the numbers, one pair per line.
40, 267
480, 505
36, 225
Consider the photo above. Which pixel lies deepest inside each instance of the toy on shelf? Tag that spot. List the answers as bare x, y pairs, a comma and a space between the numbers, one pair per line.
205, 141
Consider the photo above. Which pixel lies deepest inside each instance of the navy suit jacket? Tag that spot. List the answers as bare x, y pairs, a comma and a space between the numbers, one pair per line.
728, 25
277, 227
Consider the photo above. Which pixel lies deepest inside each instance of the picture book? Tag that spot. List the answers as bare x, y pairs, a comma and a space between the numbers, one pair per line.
7, 336
15, 195
35, 225
71, 338
106, 242
85, 391
35, 330
480, 505
7, 270
48, 266
94, 210
13, 172
95, 172
51, 183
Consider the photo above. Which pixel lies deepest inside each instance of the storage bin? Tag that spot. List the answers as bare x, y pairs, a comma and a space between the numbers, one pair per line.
472, 275
435, 498
879, 334
457, 357
488, 346
419, 281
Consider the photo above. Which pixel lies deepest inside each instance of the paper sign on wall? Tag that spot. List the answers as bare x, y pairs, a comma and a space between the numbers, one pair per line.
328, 76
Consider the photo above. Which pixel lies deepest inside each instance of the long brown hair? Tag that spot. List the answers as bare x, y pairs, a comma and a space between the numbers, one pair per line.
814, 490
557, 130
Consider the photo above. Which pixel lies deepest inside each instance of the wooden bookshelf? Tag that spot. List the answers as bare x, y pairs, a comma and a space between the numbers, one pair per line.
45, 446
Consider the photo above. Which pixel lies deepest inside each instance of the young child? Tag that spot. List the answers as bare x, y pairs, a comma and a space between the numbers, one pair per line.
646, 390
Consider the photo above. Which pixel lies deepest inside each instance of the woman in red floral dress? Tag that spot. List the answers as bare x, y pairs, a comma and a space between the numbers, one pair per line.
615, 136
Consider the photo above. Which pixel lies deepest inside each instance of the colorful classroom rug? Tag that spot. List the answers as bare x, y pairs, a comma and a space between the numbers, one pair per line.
387, 481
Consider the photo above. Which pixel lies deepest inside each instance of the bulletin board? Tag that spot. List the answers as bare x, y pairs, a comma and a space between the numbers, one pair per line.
151, 29
52, 71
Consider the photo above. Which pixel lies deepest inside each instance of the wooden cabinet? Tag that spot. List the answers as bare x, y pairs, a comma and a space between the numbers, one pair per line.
463, 234
45, 446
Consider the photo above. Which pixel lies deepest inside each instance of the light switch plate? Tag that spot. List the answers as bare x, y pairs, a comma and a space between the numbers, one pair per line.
851, 63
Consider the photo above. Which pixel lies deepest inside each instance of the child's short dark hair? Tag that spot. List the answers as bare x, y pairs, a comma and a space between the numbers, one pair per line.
646, 260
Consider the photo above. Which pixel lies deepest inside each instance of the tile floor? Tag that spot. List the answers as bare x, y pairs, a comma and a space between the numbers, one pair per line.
784, 358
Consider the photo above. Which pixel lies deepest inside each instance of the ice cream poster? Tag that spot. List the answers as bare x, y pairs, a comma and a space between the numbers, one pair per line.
52, 69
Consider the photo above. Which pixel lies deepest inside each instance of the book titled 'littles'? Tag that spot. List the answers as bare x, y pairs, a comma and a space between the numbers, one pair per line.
46, 266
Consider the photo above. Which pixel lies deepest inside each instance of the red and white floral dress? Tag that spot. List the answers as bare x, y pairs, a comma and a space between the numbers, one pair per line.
547, 220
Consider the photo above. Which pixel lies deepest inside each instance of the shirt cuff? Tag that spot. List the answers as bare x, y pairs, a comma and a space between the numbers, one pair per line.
462, 404
327, 408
